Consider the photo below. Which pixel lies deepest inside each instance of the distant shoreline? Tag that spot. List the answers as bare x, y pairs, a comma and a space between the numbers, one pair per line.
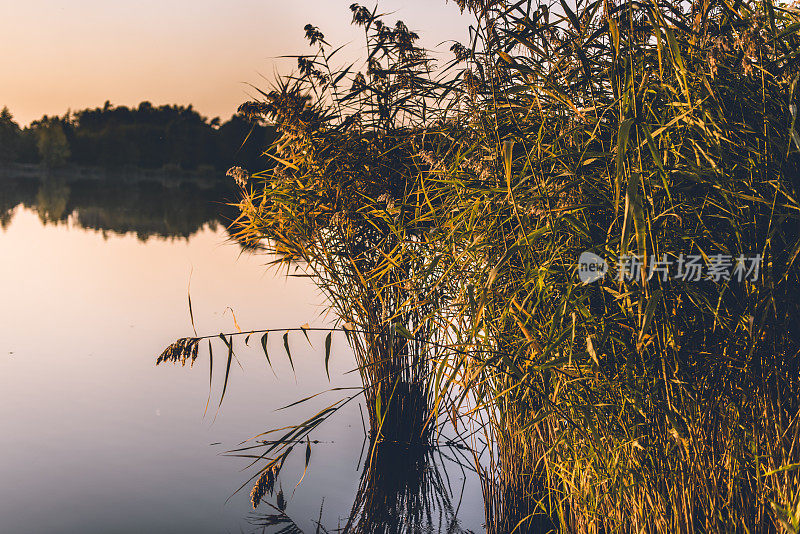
74, 173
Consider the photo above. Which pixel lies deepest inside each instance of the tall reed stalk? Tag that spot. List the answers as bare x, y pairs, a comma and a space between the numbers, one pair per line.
340, 203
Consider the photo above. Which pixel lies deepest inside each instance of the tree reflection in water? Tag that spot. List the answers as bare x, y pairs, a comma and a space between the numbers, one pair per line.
149, 205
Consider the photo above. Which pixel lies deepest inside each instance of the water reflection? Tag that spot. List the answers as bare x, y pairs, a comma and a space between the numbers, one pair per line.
406, 489
122, 445
403, 490
146, 205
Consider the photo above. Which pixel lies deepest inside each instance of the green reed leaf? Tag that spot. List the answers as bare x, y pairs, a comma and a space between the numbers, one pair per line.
403, 331
264, 340
227, 368
288, 351
210, 375
305, 328
328, 354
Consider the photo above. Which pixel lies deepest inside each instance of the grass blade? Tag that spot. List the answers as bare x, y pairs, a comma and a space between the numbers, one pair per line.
288, 351
328, 354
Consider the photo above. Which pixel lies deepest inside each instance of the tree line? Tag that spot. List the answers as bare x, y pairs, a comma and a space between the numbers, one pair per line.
151, 137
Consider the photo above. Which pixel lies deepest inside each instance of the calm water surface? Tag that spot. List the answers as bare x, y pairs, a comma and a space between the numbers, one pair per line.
95, 437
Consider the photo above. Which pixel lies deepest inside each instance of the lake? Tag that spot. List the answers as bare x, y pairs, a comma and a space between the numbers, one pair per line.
95, 438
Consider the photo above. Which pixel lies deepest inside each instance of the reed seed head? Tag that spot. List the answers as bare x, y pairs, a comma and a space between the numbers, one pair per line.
240, 175
180, 351
264, 485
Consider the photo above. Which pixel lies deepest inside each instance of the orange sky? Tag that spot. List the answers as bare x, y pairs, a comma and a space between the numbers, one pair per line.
60, 55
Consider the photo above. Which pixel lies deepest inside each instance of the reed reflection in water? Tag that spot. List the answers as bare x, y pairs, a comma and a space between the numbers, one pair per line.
403, 489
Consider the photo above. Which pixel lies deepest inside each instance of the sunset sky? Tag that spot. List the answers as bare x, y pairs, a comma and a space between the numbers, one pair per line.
72, 55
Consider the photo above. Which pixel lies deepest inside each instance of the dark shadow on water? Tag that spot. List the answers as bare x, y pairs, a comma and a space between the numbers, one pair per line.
147, 205
403, 490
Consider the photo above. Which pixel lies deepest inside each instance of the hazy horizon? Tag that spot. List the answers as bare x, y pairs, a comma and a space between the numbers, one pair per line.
203, 53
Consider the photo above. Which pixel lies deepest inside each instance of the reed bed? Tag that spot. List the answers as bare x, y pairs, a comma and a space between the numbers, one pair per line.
647, 404
443, 210
335, 203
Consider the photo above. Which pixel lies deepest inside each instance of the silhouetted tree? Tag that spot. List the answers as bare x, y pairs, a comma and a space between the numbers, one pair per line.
9, 136
52, 144
147, 136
